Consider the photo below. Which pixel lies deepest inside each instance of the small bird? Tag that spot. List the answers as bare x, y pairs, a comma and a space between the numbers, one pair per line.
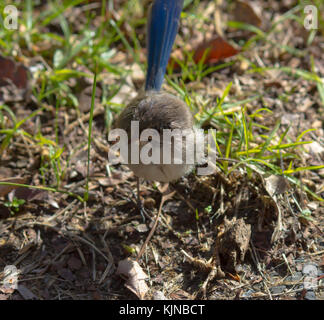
153, 108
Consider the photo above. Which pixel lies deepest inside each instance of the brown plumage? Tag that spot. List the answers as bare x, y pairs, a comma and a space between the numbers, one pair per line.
157, 110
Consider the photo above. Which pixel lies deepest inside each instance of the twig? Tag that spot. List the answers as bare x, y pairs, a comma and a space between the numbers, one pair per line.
165, 197
61, 211
85, 117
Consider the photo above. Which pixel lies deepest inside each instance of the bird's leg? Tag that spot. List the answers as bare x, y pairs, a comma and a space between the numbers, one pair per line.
139, 202
165, 196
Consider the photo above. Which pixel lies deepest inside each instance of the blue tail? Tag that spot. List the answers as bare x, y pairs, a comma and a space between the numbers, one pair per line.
163, 23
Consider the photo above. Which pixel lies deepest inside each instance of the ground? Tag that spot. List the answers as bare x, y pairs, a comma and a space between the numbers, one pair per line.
251, 230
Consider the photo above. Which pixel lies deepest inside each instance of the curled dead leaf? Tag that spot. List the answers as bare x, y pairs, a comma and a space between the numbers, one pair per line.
135, 277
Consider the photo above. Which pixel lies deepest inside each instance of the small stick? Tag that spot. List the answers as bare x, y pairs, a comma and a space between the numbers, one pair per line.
165, 197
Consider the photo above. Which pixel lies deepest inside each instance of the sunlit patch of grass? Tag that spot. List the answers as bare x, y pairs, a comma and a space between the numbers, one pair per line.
244, 139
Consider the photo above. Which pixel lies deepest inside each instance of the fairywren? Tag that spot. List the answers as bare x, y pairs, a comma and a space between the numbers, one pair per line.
155, 109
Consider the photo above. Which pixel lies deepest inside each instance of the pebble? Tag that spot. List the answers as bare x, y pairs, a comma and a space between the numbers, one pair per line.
310, 295
295, 277
141, 228
310, 269
278, 289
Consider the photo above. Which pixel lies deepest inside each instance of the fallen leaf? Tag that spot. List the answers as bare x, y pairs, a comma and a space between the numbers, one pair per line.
13, 81
29, 194
5, 189
211, 51
217, 49
243, 12
276, 185
17, 73
85, 97
135, 276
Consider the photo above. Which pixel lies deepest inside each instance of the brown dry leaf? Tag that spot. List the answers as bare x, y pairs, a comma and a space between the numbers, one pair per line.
135, 276
85, 97
276, 185
243, 12
217, 49
5, 189
210, 51
28, 194
10, 70
13, 81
